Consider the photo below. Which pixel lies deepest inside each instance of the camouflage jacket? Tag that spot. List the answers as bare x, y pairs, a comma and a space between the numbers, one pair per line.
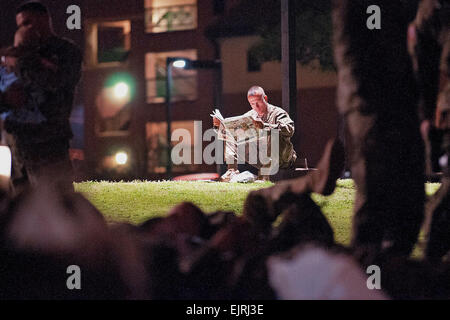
6, 79
277, 118
52, 90
28, 113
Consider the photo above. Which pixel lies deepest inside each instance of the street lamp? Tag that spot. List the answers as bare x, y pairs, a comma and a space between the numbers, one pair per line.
181, 63
121, 90
185, 63
121, 158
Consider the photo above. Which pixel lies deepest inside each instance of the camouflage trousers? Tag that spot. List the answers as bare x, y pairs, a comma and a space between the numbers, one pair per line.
249, 153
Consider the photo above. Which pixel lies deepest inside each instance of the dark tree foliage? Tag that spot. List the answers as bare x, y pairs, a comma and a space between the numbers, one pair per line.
313, 34
313, 31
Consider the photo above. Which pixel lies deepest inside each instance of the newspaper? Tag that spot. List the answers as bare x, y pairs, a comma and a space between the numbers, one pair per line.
236, 130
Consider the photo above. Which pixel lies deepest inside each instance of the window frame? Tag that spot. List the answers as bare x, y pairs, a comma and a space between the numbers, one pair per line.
193, 54
150, 27
91, 42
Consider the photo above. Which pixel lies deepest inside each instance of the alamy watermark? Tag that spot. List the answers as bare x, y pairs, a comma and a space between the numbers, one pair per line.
374, 21
374, 280
73, 22
74, 280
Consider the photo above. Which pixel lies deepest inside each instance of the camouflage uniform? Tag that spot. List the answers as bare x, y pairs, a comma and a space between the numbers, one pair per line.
41, 147
278, 119
377, 95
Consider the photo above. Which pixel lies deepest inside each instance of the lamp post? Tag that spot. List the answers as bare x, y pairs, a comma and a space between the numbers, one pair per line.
184, 63
169, 62
288, 60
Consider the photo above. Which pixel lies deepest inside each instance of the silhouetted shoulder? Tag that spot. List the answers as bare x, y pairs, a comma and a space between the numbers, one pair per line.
63, 48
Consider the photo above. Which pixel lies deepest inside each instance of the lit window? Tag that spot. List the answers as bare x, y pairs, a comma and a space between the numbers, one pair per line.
108, 42
184, 81
170, 15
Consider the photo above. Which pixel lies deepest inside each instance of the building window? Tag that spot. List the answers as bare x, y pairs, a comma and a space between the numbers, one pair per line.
184, 81
108, 42
253, 64
170, 15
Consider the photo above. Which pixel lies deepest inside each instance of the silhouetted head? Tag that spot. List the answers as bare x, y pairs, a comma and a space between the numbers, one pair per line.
35, 16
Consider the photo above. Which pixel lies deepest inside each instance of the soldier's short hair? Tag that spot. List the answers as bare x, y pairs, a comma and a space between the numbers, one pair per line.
255, 91
32, 6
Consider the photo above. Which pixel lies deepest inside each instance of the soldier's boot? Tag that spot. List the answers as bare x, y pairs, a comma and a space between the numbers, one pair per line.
263, 206
302, 222
330, 168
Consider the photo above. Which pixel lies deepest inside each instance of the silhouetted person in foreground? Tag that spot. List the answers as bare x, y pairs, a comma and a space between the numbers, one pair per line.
429, 44
49, 69
377, 96
263, 206
45, 230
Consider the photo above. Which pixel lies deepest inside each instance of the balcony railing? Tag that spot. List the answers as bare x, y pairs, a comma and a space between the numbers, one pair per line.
171, 18
184, 88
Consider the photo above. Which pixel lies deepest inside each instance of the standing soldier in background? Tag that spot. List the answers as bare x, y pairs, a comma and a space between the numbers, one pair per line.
429, 45
377, 95
49, 69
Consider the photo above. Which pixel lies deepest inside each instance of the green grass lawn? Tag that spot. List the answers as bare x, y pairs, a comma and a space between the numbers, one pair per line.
137, 201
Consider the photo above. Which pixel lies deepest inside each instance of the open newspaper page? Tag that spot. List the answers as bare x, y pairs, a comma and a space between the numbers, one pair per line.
236, 130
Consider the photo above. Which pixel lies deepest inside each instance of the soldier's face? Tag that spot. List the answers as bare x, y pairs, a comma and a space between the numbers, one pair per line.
31, 20
258, 103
